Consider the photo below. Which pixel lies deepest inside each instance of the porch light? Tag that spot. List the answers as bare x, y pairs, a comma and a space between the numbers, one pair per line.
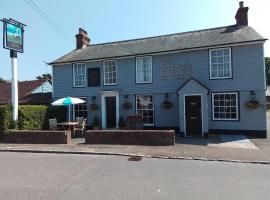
166, 97
126, 98
93, 99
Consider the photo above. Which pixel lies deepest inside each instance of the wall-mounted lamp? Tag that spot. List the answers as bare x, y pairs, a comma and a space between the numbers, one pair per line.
253, 95
166, 97
125, 98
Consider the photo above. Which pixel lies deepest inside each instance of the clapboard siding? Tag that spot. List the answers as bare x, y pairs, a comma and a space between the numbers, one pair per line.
248, 74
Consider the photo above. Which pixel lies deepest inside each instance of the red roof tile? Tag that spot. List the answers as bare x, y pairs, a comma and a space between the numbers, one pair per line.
24, 90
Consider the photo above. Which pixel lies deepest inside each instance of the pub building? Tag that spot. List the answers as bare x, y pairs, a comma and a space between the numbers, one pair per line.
196, 82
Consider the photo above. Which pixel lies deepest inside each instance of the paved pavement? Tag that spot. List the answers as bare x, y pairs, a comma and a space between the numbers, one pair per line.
55, 177
187, 148
197, 148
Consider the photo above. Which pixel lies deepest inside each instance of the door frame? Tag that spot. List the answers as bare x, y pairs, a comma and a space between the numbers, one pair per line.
185, 126
105, 94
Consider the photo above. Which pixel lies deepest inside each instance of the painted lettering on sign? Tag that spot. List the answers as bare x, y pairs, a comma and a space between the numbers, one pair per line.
170, 70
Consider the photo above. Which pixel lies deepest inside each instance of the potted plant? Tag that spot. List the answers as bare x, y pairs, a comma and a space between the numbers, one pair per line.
167, 104
121, 123
96, 123
127, 105
94, 106
253, 104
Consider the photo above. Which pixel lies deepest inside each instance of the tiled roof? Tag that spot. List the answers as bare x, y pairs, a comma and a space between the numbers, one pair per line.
24, 91
179, 41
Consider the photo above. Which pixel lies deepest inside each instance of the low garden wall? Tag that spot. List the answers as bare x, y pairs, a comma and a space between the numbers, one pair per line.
135, 137
37, 137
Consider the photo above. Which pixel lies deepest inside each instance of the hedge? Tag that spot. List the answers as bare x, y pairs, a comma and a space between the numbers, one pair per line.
30, 117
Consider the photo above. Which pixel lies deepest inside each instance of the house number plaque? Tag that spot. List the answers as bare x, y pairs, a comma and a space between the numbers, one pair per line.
170, 71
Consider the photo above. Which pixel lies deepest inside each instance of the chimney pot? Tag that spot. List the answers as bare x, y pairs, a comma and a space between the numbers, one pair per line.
82, 39
241, 4
242, 15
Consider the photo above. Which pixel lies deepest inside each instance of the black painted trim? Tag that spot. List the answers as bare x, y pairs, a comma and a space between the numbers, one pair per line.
255, 133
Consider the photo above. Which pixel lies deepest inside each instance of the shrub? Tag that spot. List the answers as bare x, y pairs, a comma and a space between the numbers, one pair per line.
31, 117
96, 122
5, 119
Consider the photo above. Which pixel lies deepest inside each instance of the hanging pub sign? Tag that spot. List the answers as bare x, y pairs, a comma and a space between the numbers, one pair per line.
13, 35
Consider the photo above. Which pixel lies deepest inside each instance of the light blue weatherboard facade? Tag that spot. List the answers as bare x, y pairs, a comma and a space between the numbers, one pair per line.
247, 62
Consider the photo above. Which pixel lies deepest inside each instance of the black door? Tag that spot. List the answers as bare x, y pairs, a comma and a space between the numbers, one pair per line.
193, 115
111, 112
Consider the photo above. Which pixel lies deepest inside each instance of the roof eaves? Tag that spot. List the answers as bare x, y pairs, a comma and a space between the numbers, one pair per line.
175, 50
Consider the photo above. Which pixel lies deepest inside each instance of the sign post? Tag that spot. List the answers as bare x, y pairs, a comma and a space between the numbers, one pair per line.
13, 40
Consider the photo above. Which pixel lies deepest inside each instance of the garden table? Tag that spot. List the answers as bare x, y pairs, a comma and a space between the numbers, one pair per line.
69, 126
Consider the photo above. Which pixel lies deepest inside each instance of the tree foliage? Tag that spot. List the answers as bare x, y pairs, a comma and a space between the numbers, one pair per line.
44, 77
2, 80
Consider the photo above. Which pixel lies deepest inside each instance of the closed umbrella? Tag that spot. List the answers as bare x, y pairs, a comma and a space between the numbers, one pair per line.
67, 101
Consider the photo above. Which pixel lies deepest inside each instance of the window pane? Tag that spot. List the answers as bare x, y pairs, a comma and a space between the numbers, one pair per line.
145, 108
79, 75
220, 63
143, 70
110, 71
224, 106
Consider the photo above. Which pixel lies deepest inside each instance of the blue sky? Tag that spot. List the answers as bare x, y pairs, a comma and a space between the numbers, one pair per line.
113, 20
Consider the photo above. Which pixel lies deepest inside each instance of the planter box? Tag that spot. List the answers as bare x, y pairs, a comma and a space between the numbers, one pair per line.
37, 136
134, 137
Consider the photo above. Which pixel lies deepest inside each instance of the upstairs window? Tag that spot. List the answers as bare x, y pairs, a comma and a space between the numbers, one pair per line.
220, 63
110, 70
79, 75
144, 69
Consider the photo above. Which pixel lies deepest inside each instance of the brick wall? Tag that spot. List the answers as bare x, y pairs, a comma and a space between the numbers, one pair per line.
37, 137
135, 137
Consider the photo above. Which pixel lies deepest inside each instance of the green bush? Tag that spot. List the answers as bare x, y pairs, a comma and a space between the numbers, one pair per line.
95, 122
5, 119
31, 117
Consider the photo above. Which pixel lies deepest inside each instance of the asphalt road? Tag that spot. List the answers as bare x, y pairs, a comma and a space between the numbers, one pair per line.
59, 176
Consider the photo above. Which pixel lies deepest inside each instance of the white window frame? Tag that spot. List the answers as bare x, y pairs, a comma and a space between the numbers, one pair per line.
151, 69
210, 63
148, 109
73, 74
104, 73
236, 105
73, 107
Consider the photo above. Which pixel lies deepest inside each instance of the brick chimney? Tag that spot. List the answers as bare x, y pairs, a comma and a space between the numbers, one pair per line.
242, 15
82, 39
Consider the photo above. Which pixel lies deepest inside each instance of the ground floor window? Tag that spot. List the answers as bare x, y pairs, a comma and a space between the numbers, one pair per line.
80, 110
145, 108
225, 106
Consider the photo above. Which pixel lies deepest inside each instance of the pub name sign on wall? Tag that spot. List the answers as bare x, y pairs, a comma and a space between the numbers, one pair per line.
169, 71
